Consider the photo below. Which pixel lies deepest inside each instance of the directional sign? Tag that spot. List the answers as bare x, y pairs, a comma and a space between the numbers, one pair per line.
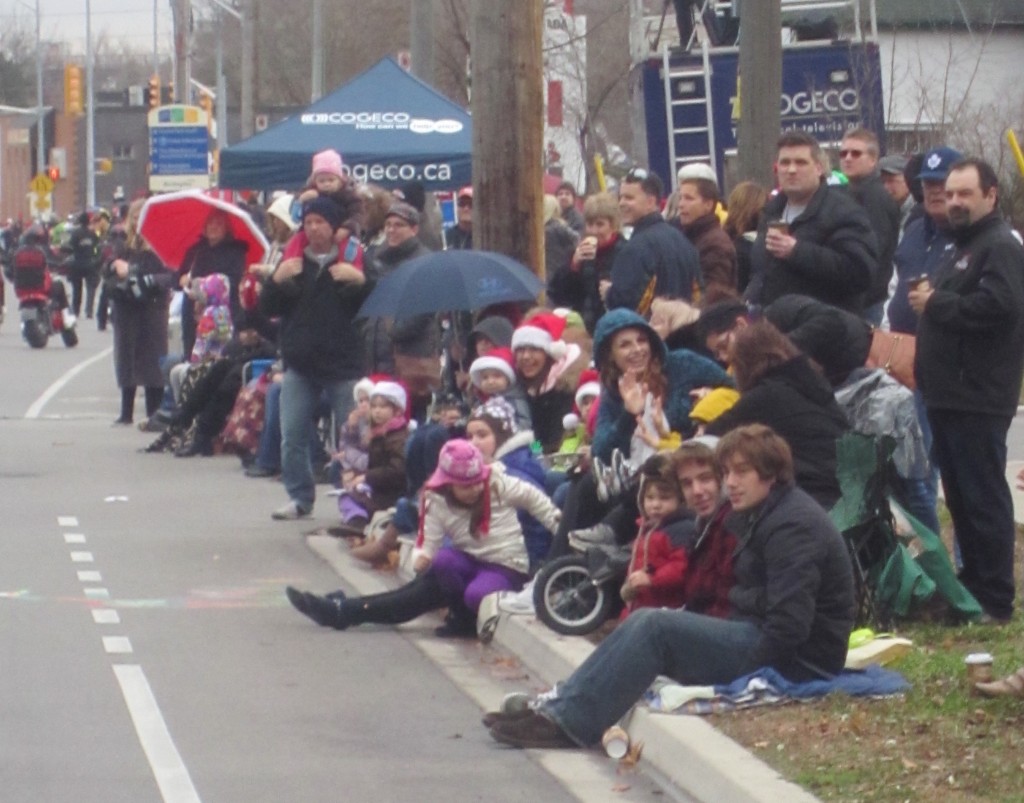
179, 148
41, 184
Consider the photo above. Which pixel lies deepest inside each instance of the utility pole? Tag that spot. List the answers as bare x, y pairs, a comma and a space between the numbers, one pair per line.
181, 11
248, 47
760, 90
421, 27
41, 159
316, 82
508, 117
90, 119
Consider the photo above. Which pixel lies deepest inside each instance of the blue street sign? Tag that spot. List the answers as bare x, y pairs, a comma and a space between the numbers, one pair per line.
179, 150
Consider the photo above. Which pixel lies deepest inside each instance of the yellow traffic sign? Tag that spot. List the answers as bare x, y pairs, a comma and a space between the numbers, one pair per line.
41, 184
39, 203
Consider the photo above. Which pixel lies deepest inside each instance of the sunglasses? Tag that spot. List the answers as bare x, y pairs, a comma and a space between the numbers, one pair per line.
637, 174
465, 201
852, 154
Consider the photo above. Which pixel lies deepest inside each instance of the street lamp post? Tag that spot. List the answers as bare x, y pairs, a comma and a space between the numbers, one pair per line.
40, 134
90, 121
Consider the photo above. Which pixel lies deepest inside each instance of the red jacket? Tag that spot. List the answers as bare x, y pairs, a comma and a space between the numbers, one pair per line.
709, 575
662, 551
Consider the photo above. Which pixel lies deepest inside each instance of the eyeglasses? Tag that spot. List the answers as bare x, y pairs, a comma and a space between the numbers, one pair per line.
852, 154
637, 174
465, 201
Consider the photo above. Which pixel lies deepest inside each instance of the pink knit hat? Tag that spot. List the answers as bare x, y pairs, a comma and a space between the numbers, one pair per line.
459, 463
498, 359
328, 161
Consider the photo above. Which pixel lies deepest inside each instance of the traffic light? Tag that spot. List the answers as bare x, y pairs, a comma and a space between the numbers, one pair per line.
53, 172
73, 103
153, 92
169, 92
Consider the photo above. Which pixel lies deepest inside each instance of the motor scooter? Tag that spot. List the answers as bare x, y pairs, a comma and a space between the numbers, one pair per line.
41, 316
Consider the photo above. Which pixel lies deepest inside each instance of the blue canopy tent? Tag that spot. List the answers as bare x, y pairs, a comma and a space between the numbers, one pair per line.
389, 127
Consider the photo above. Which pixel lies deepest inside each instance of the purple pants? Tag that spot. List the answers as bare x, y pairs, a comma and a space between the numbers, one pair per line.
459, 573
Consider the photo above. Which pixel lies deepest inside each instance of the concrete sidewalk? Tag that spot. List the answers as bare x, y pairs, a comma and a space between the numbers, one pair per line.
683, 752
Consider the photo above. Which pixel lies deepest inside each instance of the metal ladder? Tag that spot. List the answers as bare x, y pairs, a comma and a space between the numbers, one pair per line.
695, 84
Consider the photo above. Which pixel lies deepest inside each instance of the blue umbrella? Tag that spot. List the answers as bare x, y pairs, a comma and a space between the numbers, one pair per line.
448, 281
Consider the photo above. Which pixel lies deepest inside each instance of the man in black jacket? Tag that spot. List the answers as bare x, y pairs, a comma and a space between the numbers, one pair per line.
858, 159
318, 298
658, 261
793, 609
968, 366
813, 240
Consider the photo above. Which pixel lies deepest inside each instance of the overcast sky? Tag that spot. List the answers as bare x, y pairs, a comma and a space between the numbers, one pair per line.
130, 21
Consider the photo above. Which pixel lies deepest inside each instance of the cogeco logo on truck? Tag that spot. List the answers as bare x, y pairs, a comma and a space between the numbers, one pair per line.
821, 101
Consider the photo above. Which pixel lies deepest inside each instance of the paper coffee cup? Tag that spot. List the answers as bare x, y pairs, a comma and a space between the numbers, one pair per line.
615, 742
979, 667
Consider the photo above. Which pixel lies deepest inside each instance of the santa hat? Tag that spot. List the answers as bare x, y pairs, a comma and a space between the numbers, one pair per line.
499, 359
570, 421
364, 385
328, 161
589, 385
542, 331
392, 391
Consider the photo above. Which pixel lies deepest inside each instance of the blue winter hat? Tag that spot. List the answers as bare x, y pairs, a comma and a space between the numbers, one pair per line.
325, 208
615, 321
936, 163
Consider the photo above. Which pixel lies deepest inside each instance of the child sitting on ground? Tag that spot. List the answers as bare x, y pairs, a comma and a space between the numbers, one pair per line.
354, 437
384, 481
470, 545
493, 374
667, 532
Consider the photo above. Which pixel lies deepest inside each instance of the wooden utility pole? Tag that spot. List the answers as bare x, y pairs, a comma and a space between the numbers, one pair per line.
421, 37
760, 89
508, 118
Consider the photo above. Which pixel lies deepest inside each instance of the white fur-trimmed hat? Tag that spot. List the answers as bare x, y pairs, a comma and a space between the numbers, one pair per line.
364, 385
499, 359
543, 331
393, 391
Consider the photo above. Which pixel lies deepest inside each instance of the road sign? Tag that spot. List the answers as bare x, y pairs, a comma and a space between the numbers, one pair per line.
38, 203
179, 148
41, 184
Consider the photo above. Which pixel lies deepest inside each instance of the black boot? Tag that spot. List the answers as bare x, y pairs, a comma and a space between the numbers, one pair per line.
330, 611
459, 623
197, 444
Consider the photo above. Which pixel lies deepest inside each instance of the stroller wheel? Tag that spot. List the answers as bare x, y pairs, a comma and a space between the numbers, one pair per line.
567, 600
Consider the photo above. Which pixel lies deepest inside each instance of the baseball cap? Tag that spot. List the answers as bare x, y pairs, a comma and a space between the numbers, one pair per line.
893, 164
936, 163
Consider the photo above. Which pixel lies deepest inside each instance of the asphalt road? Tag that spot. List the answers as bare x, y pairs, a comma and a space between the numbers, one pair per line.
147, 651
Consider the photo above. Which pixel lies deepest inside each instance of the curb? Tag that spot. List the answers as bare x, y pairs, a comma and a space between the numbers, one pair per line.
683, 752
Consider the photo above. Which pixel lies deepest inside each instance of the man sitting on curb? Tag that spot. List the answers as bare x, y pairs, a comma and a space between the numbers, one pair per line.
793, 609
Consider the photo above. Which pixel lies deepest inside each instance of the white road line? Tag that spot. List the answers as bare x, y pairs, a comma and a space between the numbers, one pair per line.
67, 521
97, 593
74, 538
38, 405
168, 769
117, 645
106, 616
81, 557
90, 577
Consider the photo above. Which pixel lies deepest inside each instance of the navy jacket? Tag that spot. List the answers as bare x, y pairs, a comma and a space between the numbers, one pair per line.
922, 248
658, 250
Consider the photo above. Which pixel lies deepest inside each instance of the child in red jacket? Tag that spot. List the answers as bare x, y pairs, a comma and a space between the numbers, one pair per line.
660, 551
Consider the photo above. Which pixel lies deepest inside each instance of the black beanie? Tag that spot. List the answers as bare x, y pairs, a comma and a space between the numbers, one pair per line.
326, 208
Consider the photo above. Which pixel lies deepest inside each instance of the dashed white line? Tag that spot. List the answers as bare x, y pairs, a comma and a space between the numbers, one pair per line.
117, 645
67, 521
97, 593
74, 538
90, 576
81, 557
106, 616
168, 769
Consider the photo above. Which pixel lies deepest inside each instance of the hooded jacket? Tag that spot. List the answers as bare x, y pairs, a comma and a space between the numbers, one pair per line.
794, 581
684, 371
795, 401
970, 340
518, 459
662, 550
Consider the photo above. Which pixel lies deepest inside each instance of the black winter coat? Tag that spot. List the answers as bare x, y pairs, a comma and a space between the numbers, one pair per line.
203, 259
579, 289
795, 582
884, 216
837, 340
655, 249
319, 337
970, 339
795, 401
835, 258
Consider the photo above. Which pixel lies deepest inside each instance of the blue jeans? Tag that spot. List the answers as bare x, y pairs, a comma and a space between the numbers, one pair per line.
688, 647
970, 451
300, 397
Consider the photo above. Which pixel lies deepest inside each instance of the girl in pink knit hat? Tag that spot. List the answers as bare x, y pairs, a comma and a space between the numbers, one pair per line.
475, 505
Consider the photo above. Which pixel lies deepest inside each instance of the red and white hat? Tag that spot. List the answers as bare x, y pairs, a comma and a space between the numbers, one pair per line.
499, 359
542, 331
392, 390
588, 386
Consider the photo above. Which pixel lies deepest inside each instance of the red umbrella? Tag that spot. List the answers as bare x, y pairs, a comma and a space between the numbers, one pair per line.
173, 222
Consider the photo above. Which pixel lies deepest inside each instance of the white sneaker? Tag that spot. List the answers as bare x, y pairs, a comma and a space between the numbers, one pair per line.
69, 318
518, 602
599, 535
289, 512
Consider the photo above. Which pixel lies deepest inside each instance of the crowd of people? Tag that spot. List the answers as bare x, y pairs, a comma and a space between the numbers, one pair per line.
688, 375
